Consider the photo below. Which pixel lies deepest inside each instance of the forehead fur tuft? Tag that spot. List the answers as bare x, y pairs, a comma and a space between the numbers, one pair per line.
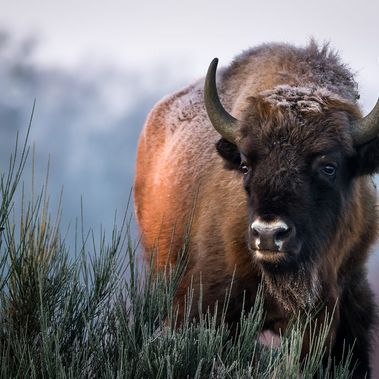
300, 102
305, 99
310, 117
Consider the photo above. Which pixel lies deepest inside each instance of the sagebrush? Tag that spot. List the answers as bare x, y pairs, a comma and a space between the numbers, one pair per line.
100, 312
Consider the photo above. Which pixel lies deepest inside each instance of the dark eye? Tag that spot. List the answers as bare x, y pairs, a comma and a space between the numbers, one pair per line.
244, 168
329, 170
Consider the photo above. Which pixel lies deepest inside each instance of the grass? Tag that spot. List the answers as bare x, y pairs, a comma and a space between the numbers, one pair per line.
101, 314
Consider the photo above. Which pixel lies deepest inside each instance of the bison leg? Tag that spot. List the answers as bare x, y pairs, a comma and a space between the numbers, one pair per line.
357, 312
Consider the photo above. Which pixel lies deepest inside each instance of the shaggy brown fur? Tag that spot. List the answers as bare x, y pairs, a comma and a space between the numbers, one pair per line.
296, 105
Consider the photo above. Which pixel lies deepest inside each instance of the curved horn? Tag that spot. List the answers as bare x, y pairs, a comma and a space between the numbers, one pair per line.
221, 120
367, 128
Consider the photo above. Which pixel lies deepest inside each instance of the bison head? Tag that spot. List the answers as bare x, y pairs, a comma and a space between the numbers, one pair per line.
300, 151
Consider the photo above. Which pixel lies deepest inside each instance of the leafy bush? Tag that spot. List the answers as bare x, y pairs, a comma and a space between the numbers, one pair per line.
101, 313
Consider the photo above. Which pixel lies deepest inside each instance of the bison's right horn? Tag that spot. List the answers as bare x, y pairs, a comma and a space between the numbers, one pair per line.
367, 128
221, 120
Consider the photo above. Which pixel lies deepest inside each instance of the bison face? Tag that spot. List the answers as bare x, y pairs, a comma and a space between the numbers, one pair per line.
300, 150
298, 167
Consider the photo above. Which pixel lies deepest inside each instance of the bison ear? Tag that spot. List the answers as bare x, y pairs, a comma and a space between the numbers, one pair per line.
368, 158
230, 153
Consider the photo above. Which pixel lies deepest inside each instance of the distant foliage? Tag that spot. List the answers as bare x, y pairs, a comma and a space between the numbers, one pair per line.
87, 121
102, 314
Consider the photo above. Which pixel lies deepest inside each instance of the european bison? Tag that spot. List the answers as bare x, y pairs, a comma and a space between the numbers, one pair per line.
280, 192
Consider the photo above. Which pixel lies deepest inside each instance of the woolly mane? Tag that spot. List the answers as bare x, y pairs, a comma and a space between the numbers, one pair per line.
311, 66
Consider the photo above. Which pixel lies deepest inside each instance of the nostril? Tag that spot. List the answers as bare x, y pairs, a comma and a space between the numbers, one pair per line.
255, 233
282, 234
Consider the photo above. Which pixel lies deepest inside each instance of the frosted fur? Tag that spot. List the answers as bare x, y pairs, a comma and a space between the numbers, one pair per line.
187, 127
332, 80
300, 99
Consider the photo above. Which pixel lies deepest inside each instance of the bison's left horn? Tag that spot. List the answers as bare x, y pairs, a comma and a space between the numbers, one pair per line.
367, 128
221, 120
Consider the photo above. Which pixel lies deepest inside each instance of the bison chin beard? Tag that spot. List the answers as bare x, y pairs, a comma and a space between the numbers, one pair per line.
295, 289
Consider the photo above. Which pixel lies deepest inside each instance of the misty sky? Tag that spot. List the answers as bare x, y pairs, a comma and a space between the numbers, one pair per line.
186, 35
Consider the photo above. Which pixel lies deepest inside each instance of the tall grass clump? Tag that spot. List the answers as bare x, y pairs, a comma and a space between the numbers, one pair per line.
100, 313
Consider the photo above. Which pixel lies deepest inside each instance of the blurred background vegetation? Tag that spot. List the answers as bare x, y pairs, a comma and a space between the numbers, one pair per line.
86, 124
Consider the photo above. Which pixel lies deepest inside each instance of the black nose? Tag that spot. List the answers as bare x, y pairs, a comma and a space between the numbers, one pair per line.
271, 235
